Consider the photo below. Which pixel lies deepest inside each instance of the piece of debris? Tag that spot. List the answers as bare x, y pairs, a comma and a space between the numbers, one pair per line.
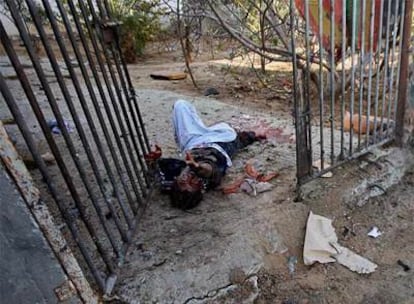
321, 245
53, 125
211, 91
405, 267
317, 165
253, 187
352, 260
253, 184
319, 235
292, 261
374, 232
169, 76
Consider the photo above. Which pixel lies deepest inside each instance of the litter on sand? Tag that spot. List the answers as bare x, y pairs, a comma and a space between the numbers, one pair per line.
168, 75
321, 245
317, 165
374, 232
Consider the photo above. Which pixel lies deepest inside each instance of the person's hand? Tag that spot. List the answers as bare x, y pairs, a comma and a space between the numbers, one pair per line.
189, 159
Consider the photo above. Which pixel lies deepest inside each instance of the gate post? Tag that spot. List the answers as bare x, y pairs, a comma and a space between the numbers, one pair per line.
303, 129
301, 111
402, 90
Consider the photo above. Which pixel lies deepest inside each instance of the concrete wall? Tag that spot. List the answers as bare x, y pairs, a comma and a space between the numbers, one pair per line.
29, 272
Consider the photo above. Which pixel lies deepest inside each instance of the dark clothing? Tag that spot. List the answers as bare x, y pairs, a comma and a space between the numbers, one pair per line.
217, 160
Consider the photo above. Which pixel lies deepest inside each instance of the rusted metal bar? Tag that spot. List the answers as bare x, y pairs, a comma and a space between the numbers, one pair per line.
104, 99
343, 81
11, 103
124, 99
321, 85
129, 91
397, 84
332, 81
370, 58
378, 74
112, 97
52, 101
395, 33
94, 36
303, 153
386, 59
403, 85
306, 110
84, 138
361, 73
132, 91
67, 96
133, 127
352, 95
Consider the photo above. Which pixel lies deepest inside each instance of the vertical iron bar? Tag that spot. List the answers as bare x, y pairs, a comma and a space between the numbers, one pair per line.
302, 155
128, 99
321, 82
397, 85
307, 73
371, 50
32, 146
343, 76
386, 63
378, 72
361, 72
83, 103
131, 89
97, 79
391, 80
117, 54
34, 13
332, 80
59, 118
112, 98
22, 124
403, 87
351, 108
120, 98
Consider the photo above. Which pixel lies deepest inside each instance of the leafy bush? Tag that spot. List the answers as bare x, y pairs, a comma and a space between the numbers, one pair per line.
140, 23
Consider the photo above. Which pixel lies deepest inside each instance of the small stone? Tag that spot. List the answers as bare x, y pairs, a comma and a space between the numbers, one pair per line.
211, 91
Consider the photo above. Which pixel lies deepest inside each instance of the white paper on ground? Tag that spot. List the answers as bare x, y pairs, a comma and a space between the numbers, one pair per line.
321, 245
374, 232
353, 261
319, 236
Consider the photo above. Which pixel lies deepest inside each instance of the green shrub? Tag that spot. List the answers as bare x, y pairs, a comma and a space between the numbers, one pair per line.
140, 23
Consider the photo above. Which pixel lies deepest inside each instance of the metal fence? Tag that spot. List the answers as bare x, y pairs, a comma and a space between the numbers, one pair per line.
350, 78
68, 90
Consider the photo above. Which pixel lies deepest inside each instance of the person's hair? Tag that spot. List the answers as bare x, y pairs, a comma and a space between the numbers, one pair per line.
184, 199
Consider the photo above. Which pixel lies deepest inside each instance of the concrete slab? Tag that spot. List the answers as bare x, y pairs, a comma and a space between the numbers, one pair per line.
29, 272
